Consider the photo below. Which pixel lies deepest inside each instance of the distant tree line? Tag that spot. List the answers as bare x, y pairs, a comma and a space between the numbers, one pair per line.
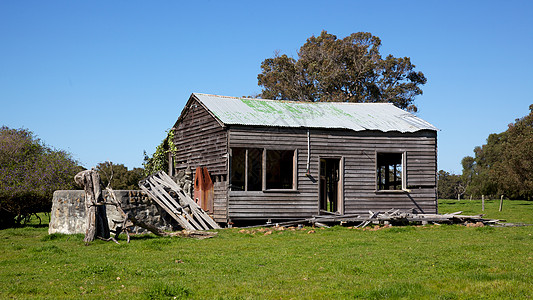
503, 166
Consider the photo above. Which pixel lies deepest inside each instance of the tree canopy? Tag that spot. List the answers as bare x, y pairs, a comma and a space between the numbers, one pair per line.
504, 165
342, 70
30, 172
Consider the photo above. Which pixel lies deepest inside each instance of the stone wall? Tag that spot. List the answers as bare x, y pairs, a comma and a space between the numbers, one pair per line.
68, 211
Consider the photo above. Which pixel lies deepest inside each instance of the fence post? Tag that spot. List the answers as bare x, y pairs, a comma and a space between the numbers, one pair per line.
482, 202
501, 203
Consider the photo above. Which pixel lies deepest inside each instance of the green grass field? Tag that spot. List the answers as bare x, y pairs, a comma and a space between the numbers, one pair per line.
417, 262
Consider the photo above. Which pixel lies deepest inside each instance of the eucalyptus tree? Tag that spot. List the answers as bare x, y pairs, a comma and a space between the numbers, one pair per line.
342, 70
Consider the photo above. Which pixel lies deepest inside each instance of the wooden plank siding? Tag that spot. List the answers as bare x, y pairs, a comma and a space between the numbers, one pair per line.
203, 142
359, 152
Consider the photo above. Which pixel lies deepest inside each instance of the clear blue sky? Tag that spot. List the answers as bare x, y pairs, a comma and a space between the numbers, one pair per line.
104, 80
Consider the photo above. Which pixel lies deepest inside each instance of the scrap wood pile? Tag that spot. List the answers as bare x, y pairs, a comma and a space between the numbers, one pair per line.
401, 217
392, 217
180, 206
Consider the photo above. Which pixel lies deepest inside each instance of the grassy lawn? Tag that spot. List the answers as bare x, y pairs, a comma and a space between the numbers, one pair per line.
430, 262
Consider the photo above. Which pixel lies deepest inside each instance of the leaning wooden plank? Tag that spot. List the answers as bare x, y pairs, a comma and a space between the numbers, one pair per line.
162, 201
196, 209
161, 181
194, 206
177, 216
199, 218
183, 197
162, 198
165, 178
153, 195
171, 202
199, 211
183, 223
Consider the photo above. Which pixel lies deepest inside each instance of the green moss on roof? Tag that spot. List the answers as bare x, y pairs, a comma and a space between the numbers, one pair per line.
260, 106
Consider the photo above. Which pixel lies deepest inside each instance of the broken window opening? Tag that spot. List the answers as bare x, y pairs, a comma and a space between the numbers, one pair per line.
255, 167
246, 169
280, 169
390, 171
238, 169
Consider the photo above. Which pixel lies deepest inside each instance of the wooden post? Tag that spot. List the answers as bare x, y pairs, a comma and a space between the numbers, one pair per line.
97, 225
482, 202
501, 203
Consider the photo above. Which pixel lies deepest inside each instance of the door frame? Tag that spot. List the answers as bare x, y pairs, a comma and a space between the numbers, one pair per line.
340, 184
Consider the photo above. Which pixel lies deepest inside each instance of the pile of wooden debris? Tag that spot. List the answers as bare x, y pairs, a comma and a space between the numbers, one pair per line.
392, 216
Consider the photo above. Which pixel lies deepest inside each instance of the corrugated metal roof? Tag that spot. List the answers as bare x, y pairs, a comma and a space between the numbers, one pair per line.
354, 116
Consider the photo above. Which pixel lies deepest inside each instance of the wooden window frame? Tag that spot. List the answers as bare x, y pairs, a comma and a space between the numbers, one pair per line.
264, 189
403, 172
294, 171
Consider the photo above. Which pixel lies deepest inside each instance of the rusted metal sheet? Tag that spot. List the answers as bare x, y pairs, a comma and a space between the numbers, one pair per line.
203, 189
383, 117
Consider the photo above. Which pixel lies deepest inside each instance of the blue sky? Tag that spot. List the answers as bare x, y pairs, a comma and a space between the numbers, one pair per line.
104, 80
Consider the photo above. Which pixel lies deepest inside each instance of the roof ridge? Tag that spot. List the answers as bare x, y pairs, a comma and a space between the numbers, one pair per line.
296, 101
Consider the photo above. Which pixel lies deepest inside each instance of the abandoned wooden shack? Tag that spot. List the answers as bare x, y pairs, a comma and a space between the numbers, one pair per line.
283, 160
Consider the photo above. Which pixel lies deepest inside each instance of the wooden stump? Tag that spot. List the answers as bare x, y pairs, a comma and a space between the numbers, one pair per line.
97, 225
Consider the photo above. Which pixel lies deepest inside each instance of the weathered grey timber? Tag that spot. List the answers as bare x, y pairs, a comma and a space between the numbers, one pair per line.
96, 224
335, 164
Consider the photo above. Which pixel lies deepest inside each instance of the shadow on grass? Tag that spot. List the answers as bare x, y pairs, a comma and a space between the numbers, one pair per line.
141, 237
36, 225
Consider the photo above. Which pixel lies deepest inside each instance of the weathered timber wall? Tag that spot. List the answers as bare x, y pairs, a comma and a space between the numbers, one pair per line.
202, 142
68, 211
358, 151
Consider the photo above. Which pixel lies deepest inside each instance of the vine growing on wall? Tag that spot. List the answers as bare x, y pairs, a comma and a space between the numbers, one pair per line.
159, 160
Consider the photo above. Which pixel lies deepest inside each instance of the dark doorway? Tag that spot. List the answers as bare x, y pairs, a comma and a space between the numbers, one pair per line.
329, 185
